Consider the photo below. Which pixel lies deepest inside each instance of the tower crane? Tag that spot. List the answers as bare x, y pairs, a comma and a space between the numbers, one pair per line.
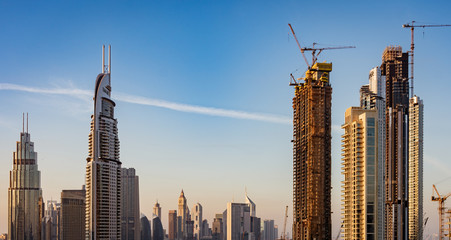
315, 53
441, 209
412, 27
284, 234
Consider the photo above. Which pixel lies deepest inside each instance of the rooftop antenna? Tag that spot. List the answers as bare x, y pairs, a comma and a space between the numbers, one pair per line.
27, 122
23, 122
109, 58
103, 58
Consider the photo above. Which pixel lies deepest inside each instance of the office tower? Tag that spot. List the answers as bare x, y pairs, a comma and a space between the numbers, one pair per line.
312, 155
395, 69
183, 214
359, 167
206, 231
157, 210
372, 96
251, 204
238, 221
415, 168
103, 170
172, 225
130, 224
255, 228
268, 232
24, 192
158, 232
146, 233
51, 221
189, 234
73, 214
217, 228
196, 215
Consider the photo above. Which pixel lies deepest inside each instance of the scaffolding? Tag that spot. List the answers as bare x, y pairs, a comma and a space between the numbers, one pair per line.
312, 155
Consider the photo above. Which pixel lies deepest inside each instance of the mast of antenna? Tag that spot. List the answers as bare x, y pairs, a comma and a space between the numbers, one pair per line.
27, 122
103, 58
109, 59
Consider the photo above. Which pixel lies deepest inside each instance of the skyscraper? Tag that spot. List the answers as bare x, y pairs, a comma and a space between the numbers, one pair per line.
51, 221
312, 155
73, 214
395, 69
157, 210
238, 221
103, 170
130, 224
359, 189
183, 214
268, 230
372, 96
172, 224
146, 233
217, 228
158, 232
197, 218
24, 192
416, 168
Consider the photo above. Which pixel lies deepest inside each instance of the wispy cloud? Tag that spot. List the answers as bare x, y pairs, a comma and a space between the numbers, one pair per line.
181, 107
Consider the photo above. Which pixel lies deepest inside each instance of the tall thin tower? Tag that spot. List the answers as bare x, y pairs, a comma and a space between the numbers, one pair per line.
24, 192
103, 170
312, 155
415, 168
395, 69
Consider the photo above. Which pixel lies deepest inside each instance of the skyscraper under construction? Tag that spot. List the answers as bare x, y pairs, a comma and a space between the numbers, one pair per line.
395, 69
312, 155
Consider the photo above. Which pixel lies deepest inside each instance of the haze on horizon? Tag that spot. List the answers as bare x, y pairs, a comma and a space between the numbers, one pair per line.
232, 56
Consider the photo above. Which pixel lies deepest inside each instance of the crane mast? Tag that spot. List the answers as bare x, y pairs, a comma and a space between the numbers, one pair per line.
441, 210
412, 27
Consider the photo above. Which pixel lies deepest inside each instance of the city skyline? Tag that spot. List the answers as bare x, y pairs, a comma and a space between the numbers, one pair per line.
219, 64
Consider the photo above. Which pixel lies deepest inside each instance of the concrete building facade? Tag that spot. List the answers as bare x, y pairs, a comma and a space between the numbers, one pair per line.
196, 215
172, 224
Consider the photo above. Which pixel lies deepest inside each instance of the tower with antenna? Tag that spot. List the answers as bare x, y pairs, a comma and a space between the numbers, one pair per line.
24, 192
103, 169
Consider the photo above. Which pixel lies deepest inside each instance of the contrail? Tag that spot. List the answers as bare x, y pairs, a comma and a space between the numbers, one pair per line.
181, 107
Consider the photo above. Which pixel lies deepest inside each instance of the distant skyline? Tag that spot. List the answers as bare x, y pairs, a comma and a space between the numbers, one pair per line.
203, 102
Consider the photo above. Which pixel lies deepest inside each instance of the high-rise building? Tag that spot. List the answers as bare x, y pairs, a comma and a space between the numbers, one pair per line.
372, 96
51, 221
157, 210
238, 221
415, 168
312, 155
130, 224
217, 228
158, 232
172, 225
73, 214
103, 170
268, 232
196, 214
24, 193
183, 213
359, 167
146, 233
206, 230
251, 204
395, 69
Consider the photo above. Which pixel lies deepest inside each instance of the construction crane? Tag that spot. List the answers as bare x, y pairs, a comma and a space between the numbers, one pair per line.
339, 232
412, 27
284, 234
441, 202
315, 53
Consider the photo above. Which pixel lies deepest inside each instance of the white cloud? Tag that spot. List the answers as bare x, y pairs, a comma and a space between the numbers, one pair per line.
181, 107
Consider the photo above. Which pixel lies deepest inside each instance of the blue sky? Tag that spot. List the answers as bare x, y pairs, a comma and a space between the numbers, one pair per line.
232, 55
